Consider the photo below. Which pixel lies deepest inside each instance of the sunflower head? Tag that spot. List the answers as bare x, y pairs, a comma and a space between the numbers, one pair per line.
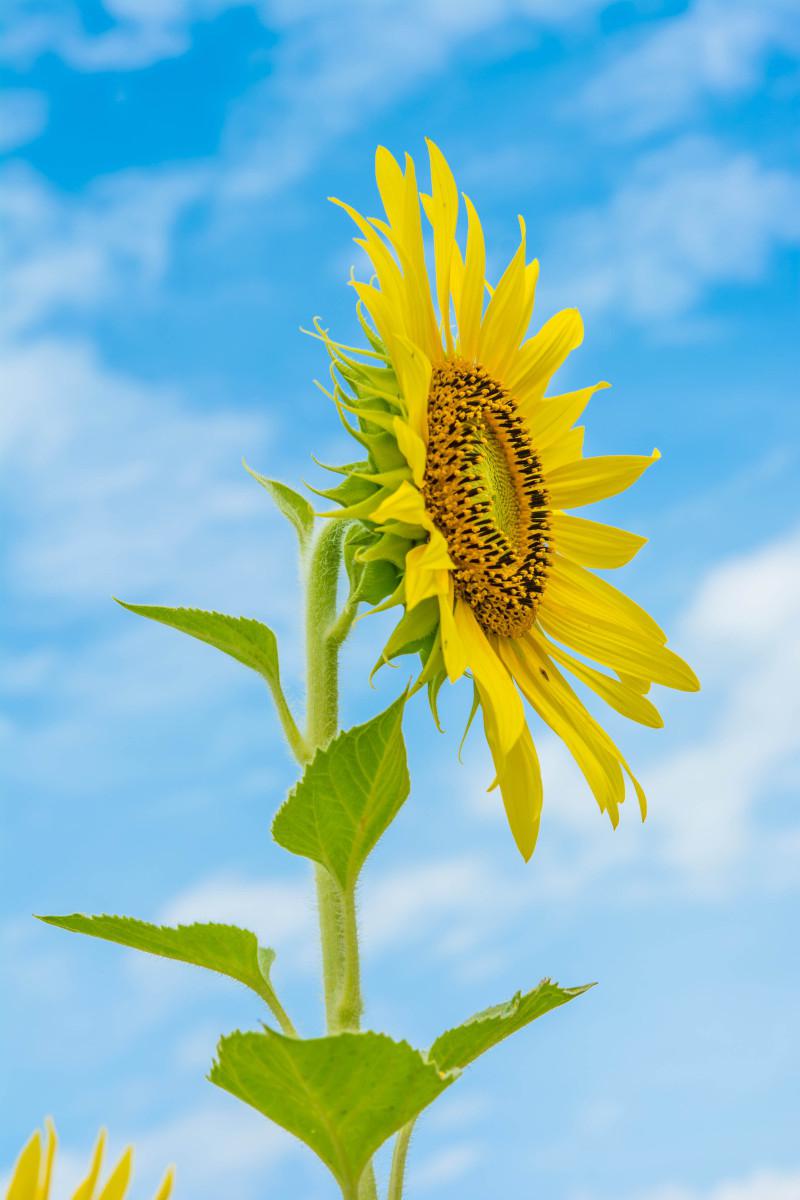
32, 1176
458, 508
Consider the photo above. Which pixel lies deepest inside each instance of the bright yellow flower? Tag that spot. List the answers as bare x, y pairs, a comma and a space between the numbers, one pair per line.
32, 1175
462, 498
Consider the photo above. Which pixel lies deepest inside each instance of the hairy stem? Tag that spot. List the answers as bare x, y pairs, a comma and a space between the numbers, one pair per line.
338, 926
399, 1162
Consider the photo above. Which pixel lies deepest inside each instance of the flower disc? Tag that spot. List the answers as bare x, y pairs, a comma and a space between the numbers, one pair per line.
484, 489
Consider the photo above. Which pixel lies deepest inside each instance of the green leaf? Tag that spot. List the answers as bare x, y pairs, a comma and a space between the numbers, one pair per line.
223, 948
248, 641
294, 507
460, 1046
350, 793
342, 1095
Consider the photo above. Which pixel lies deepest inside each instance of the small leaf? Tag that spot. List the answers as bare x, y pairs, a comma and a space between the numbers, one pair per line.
223, 948
342, 1095
294, 507
244, 639
350, 793
460, 1046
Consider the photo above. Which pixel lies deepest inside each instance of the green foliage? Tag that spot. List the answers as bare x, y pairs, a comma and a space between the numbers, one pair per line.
342, 1095
244, 639
294, 507
460, 1046
223, 948
350, 793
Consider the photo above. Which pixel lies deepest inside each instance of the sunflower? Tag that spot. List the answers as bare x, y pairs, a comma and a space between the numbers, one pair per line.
32, 1174
459, 508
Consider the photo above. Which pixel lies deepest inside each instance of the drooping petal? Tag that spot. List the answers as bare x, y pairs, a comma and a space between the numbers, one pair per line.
498, 694
620, 649
535, 675
453, 651
572, 588
625, 700
519, 778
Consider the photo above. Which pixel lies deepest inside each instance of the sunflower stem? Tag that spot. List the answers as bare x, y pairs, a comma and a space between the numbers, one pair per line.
338, 921
399, 1156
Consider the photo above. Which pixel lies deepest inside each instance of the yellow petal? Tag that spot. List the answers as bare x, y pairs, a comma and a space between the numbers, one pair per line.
502, 329
571, 588
52, 1141
118, 1181
389, 277
427, 570
400, 197
620, 649
414, 375
25, 1177
165, 1191
412, 449
566, 449
541, 356
85, 1191
593, 544
470, 306
444, 216
499, 697
642, 686
520, 781
453, 651
594, 479
617, 695
406, 504
536, 675
547, 417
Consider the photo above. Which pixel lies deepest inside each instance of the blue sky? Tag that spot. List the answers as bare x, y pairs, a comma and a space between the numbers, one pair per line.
166, 232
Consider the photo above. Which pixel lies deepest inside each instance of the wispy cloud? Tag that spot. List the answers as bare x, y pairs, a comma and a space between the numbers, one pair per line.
713, 49
23, 116
663, 240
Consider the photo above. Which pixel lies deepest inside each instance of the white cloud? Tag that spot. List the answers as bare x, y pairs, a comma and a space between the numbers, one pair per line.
23, 116
113, 241
714, 48
445, 1166
280, 913
762, 1185
664, 237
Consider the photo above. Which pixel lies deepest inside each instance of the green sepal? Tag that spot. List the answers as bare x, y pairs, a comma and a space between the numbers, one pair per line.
225, 949
342, 1095
296, 508
387, 546
349, 795
411, 632
352, 490
458, 1047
